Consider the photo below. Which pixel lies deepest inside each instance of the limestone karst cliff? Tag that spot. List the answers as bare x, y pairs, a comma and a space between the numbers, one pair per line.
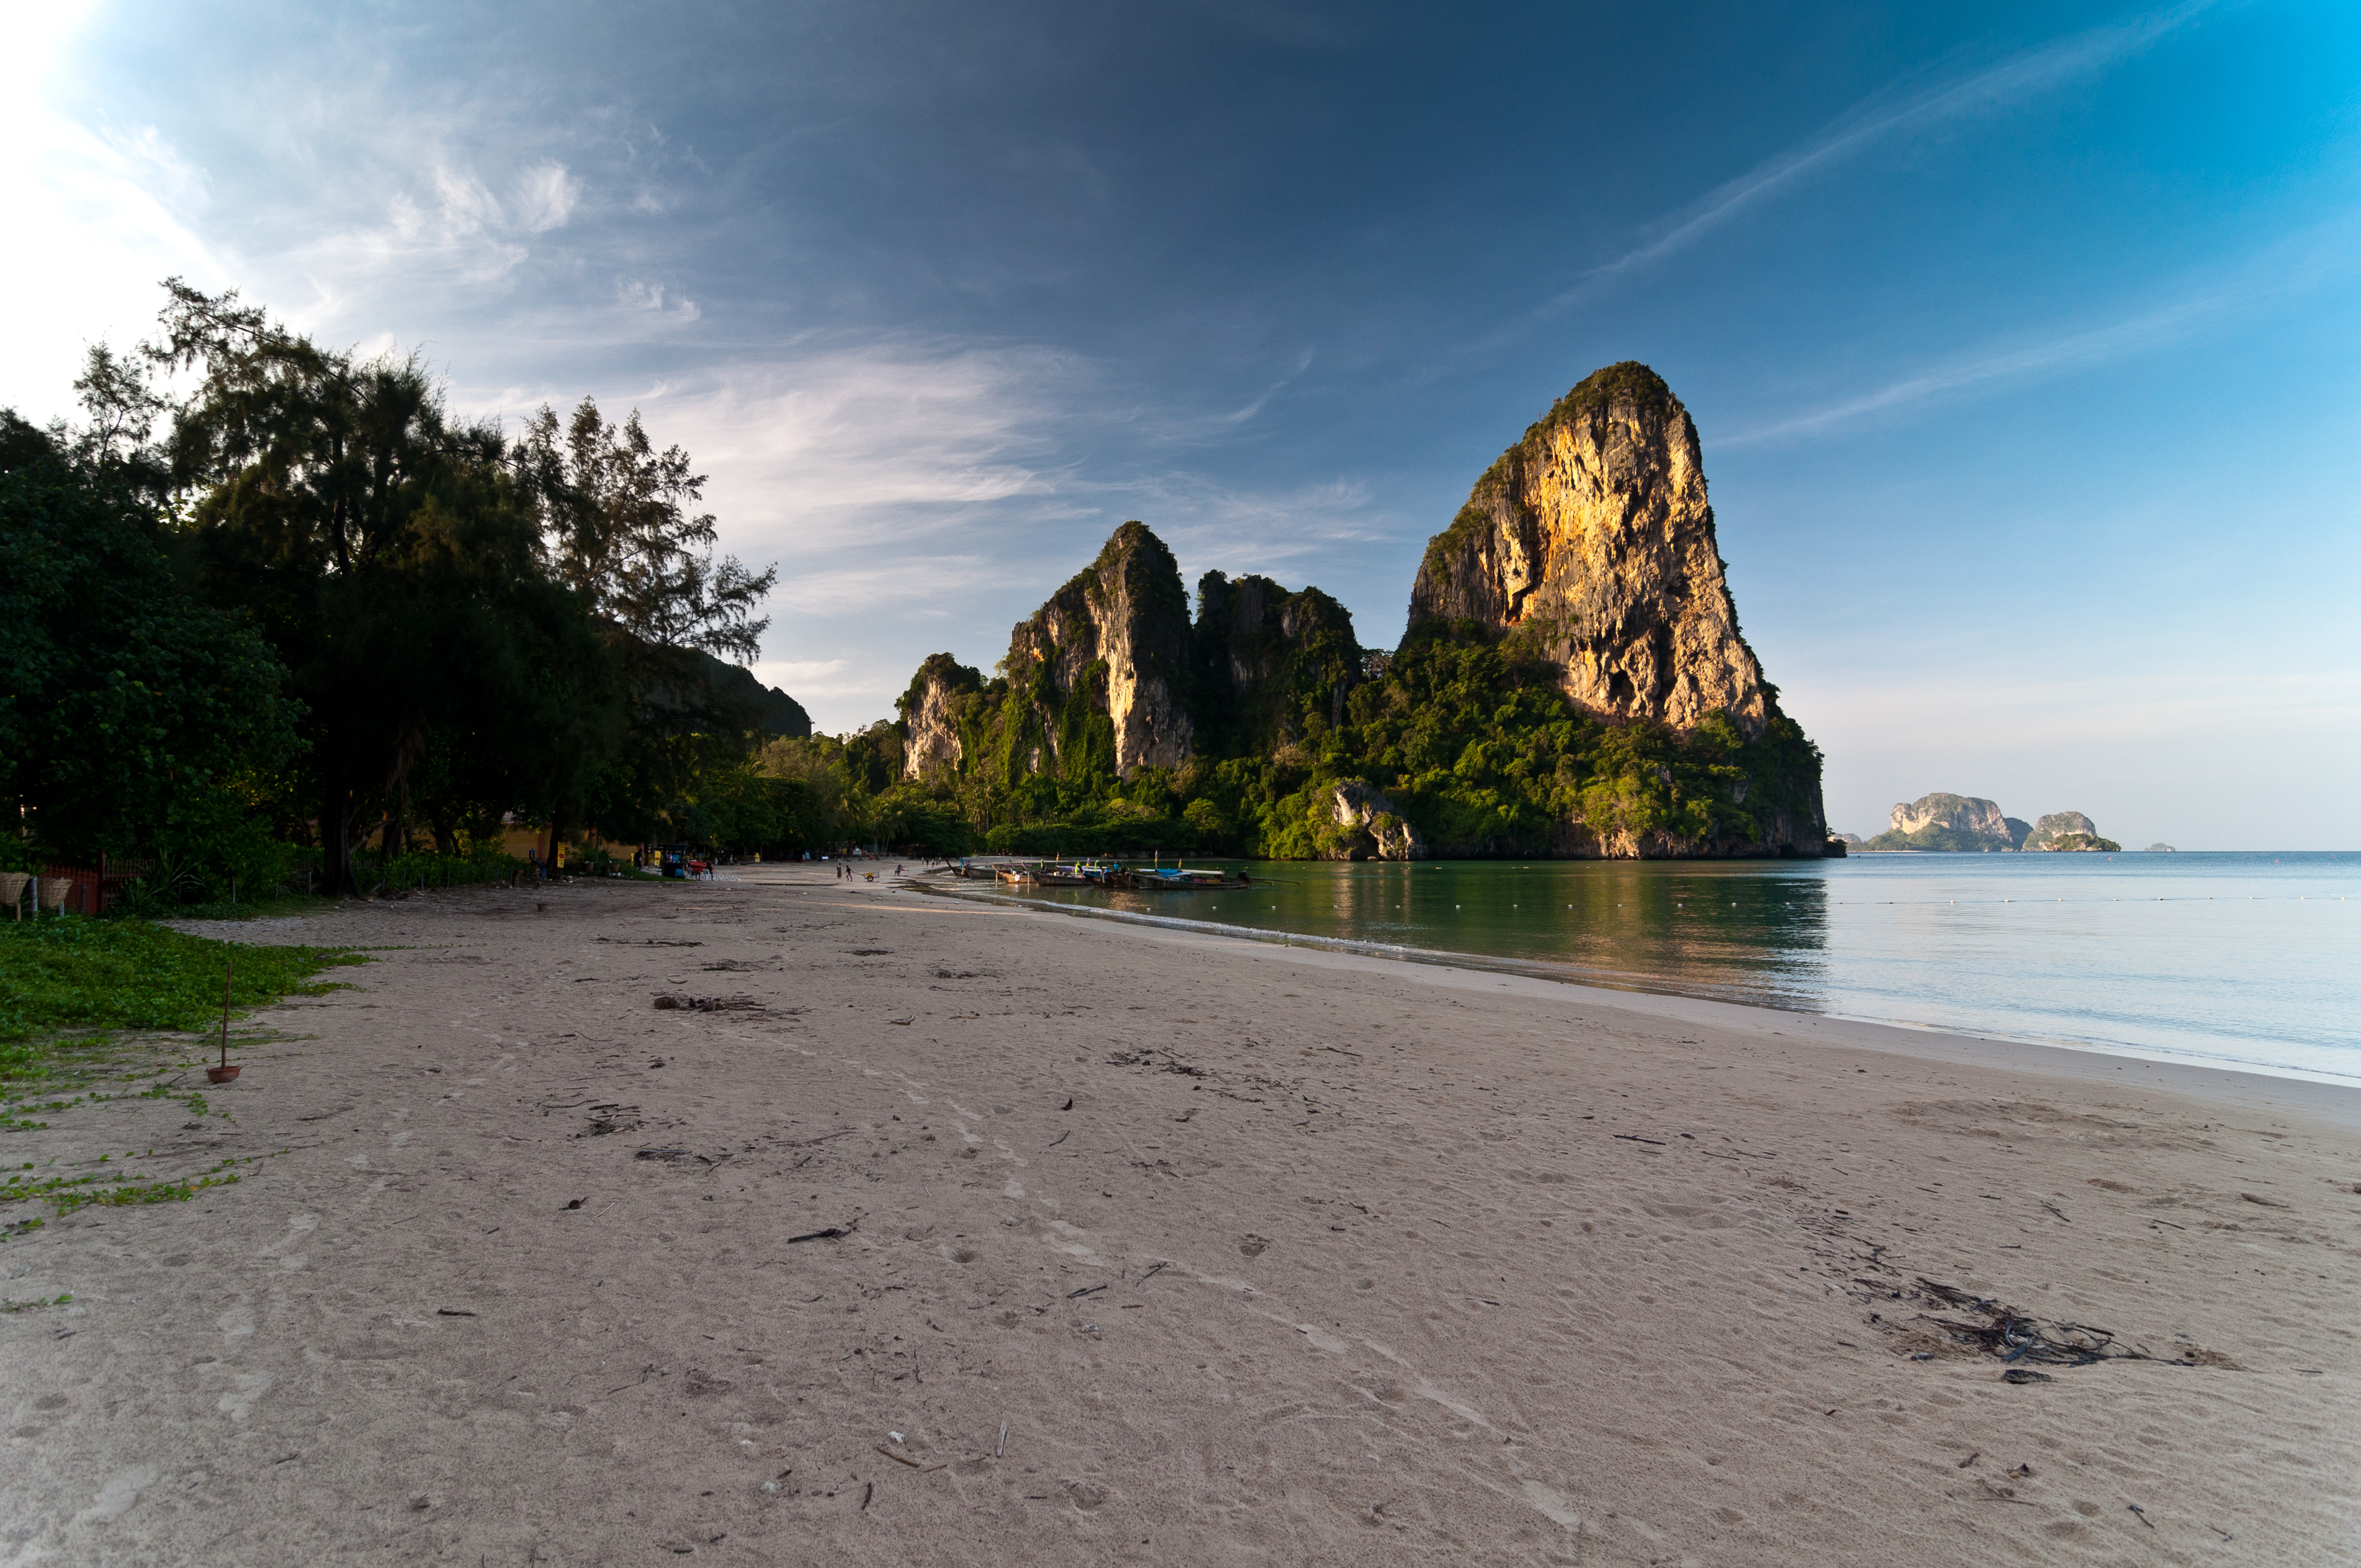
1971, 815
2054, 825
1948, 822
941, 698
1592, 537
1112, 644
1572, 684
1951, 823
1259, 651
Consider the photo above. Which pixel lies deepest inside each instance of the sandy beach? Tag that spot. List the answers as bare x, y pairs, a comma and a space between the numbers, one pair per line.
930, 1232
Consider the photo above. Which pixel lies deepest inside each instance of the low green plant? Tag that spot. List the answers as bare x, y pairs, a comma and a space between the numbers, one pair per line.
70, 973
65, 1194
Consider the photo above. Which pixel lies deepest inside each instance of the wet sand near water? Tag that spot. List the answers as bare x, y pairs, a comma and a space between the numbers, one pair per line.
927, 1231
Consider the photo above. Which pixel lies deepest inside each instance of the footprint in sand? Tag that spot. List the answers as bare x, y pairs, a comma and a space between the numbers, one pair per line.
118, 1493
239, 1400
236, 1321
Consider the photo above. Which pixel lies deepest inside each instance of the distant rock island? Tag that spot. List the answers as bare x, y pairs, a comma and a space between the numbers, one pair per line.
1572, 682
1946, 823
2066, 830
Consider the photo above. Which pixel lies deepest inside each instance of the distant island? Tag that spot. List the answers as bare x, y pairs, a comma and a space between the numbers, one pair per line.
1958, 824
1572, 683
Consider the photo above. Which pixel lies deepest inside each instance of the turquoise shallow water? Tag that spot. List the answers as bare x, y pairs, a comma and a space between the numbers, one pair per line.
2250, 961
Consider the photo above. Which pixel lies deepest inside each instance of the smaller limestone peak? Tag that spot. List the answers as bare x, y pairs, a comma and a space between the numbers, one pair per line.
930, 711
1960, 812
1114, 639
2066, 830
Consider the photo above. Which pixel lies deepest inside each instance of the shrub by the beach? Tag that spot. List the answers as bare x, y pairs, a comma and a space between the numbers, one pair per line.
133, 719
65, 972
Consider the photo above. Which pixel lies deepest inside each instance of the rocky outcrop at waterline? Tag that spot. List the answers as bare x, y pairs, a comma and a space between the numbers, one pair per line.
1947, 823
1963, 821
2057, 827
1368, 828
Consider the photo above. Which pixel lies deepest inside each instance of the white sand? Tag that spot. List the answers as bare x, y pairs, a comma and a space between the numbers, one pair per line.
1331, 1260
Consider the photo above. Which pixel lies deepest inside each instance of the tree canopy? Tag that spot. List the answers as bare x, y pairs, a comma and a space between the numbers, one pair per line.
305, 603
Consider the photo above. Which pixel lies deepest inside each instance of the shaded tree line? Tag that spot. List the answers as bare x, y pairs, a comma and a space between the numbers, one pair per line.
299, 601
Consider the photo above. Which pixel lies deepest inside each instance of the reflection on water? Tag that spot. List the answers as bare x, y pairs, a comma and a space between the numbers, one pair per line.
2238, 959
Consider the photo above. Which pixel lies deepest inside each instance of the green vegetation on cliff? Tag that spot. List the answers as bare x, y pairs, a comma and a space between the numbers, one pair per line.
1264, 728
1467, 733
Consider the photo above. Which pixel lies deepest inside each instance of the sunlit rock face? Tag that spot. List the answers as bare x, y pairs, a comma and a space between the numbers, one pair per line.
929, 711
1369, 827
1114, 640
1592, 536
2057, 830
1971, 815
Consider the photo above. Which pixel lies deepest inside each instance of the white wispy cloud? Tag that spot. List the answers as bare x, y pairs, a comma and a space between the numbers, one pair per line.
873, 442
458, 229
546, 197
2283, 269
1890, 114
657, 300
1185, 429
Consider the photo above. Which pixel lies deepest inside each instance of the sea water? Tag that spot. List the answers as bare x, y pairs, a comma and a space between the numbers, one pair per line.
2250, 961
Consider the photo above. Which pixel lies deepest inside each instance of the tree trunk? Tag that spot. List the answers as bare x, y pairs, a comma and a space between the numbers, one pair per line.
335, 847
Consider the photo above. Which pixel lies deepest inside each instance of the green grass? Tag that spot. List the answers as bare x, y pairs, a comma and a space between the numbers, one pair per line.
286, 904
66, 1193
66, 974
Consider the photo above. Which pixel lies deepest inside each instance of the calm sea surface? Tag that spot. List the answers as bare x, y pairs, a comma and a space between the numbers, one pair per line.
2251, 960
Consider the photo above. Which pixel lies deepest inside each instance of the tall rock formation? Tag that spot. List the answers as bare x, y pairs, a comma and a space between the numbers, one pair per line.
934, 711
1593, 537
1264, 656
1112, 644
1588, 547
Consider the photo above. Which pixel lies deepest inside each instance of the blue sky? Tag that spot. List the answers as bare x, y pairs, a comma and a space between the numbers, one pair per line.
2021, 339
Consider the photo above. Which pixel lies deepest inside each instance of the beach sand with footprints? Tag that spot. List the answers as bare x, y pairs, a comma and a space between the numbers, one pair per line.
927, 1231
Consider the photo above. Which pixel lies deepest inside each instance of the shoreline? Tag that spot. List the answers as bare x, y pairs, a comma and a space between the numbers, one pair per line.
944, 1234
2244, 1084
